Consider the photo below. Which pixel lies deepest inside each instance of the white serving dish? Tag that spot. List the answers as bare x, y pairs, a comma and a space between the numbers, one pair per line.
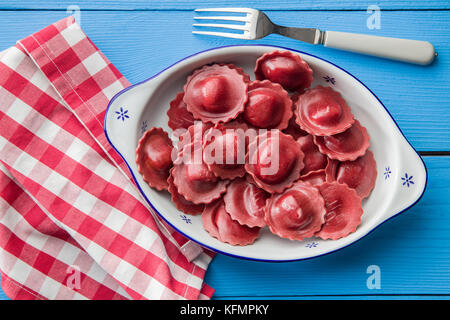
401, 177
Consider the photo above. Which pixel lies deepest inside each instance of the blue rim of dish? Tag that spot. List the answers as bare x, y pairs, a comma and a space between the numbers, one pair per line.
234, 255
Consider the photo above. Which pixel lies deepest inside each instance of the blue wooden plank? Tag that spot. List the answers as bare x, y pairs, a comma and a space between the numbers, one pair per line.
3, 296
258, 4
411, 251
416, 96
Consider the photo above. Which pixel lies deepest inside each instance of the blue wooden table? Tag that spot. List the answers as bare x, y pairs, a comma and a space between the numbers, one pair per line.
411, 251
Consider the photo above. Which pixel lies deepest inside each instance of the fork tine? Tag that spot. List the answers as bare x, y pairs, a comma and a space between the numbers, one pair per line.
242, 19
222, 34
247, 10
218, 25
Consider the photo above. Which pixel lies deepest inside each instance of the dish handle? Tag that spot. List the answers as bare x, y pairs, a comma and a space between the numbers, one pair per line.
409, 175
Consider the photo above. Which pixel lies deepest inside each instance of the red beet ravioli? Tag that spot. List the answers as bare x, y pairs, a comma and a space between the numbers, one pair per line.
315, 178
268, 106
216, 93
344, 210
314, 159
194, 181
274, 160
179, 116
359, 174
297, 213
218, 223
224, 149
154, 158
181, 203
245, 202
344, 146
194, 133
321, 111
285, 68
293, 129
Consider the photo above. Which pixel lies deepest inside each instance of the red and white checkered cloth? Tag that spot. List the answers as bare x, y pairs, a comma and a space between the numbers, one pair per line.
72, 223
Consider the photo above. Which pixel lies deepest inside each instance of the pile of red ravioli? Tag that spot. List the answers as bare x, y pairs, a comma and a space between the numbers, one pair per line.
271, 152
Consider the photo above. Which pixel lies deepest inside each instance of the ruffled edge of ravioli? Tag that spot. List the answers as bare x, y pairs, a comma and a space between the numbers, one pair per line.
240, 79
219, 224
315, 178
302, 64
221, 171
295, 171
154, 178
344, 155
312, 153
179, 116
182, 183
287, 102
196, 135
315, 198
243, 196
342, 201
370, 173
309, 125
180, 202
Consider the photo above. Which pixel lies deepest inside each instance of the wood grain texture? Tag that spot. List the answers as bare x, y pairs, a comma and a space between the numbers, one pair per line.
410, 249
139, 45
257, 4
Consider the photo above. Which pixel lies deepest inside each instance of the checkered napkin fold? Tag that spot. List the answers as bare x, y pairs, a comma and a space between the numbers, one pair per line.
72, 223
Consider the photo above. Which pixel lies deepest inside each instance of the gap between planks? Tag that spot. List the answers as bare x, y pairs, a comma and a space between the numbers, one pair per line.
434, 153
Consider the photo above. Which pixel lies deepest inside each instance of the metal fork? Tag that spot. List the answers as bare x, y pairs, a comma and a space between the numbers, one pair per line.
258, 25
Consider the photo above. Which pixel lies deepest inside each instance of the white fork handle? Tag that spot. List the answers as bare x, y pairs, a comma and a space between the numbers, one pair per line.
412, 51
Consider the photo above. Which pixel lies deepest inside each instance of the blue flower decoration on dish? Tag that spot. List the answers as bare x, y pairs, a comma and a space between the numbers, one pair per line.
387, 173
407, 180
185, 219
311, 245
122, 114
330, 79
144, 126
